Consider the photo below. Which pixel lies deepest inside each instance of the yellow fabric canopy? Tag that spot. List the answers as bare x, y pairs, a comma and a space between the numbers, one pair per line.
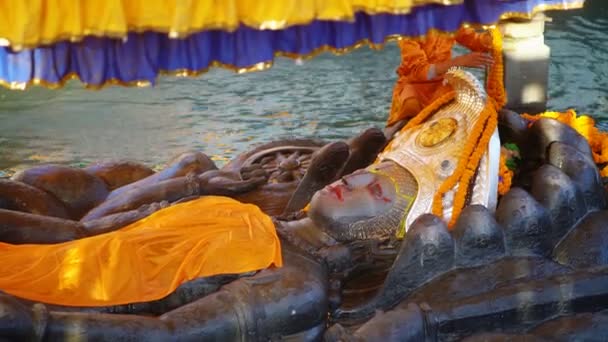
29, 23
146, 260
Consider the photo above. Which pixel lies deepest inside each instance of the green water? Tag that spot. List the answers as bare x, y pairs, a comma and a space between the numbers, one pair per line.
223, 114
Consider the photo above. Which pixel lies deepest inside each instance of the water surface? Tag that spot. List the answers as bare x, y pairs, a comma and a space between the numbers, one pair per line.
223, 114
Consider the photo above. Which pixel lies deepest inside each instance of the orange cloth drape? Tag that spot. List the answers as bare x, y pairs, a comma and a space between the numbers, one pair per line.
146, 260
417, 56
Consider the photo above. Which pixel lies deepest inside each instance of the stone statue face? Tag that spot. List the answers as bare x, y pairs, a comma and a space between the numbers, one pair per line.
362, 194
358, 205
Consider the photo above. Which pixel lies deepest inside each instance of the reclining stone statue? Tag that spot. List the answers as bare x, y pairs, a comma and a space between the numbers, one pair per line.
53, 203
367, 243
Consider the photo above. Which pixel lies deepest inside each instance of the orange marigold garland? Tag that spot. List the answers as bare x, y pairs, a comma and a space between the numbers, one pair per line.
456, 178
495, 81
468, 162
475, 158
509, 160
505, 176
430, 110
425, 113
479, 138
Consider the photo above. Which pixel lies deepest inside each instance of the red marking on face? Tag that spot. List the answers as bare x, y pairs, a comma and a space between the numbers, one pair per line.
375, 189
336, 190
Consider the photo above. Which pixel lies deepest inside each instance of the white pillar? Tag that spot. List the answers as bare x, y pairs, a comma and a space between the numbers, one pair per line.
526, 62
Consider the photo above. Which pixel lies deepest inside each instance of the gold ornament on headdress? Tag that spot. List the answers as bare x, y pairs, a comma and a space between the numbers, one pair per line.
441, 130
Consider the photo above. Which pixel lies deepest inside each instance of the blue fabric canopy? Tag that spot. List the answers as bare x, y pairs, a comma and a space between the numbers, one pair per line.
139, 59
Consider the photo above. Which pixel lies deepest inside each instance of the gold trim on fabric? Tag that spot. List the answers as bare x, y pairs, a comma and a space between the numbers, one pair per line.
179, 22
345, 14
193, 73
543, 8
267, 25
268, 64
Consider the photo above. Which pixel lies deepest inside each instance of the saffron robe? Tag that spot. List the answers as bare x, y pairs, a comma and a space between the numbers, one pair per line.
146, 260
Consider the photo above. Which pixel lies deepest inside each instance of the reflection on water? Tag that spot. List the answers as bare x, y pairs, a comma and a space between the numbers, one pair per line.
579, 68
223, 114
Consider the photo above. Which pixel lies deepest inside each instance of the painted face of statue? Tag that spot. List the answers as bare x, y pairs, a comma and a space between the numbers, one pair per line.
352, 207
361, 194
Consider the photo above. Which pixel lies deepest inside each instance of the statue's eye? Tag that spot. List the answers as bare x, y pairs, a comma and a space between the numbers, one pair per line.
376, 190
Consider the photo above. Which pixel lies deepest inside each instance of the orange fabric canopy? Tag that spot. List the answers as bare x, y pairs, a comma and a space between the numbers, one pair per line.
146, 260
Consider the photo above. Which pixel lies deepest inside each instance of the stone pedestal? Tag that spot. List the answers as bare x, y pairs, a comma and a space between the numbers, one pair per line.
526, 62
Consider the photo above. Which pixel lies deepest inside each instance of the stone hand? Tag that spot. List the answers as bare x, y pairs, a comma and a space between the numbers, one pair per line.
222, 183
473, 60
253, 171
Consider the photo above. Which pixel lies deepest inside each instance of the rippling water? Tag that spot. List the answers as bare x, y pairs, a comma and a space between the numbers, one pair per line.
223, 114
